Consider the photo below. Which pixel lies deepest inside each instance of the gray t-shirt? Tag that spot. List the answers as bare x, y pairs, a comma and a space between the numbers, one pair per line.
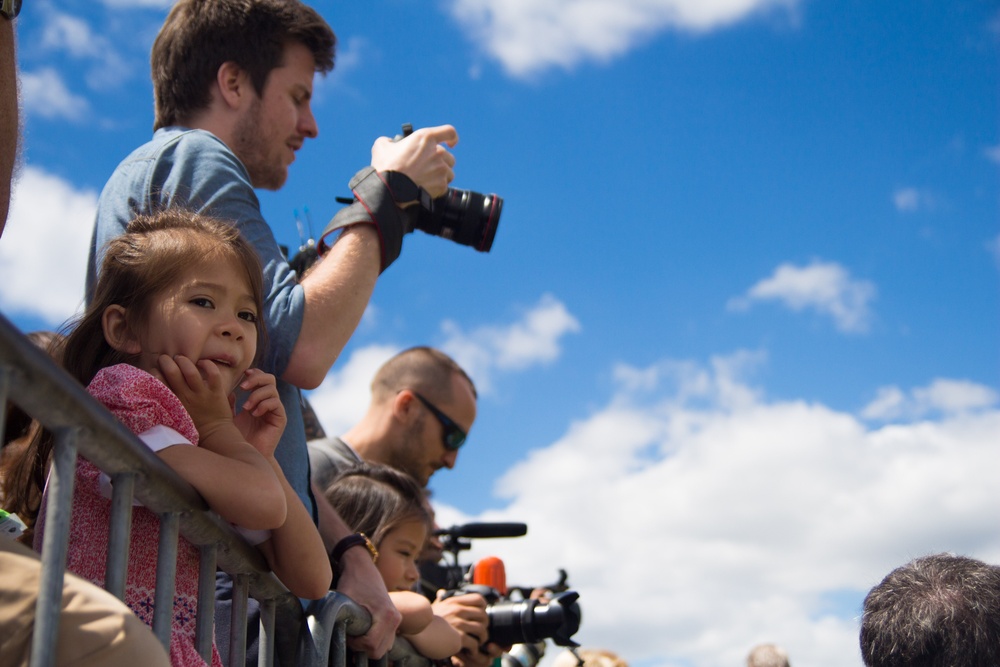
327, 457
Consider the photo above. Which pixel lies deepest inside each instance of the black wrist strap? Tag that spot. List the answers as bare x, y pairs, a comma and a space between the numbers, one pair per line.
374, 205
345, 543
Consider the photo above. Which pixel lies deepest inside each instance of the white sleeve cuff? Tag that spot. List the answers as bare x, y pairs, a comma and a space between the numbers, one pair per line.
157, 438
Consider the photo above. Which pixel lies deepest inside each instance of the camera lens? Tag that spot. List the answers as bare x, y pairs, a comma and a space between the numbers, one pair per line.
528, 621
465, 217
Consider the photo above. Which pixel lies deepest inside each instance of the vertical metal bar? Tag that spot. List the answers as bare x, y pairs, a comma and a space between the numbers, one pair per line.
166, 574
204, 629
360, 659
266, 644
116, 570
238, 624
339, 646
54, 548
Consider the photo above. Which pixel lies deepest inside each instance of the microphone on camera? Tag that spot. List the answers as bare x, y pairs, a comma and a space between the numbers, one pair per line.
479, 530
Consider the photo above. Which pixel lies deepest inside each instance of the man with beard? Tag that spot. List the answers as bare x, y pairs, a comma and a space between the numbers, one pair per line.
422, 407
233, 81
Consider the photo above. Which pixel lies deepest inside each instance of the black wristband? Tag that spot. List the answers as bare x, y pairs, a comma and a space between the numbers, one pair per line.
375, 204
353, 540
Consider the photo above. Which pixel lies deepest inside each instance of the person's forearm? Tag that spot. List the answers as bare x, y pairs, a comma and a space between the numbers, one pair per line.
337, 291
437, 641
297, 555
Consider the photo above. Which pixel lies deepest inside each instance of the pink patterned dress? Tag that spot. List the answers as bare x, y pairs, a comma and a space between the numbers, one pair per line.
141, 403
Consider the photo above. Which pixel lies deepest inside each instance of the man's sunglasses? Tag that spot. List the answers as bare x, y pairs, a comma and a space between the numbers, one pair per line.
454, 436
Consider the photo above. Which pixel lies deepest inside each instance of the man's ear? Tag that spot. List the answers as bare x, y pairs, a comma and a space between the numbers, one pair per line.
117, 332
403, 405
233, 84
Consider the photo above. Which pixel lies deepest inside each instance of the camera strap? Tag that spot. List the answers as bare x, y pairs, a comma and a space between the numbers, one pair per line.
374, 204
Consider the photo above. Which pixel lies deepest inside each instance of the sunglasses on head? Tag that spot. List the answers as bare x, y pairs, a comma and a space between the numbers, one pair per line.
454, 436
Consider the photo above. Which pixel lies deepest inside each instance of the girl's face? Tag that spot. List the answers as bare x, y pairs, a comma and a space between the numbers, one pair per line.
208, 315
397, 555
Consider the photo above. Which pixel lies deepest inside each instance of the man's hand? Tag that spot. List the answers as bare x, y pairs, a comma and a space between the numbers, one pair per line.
360, 581
422, 156
262, 418
467, 614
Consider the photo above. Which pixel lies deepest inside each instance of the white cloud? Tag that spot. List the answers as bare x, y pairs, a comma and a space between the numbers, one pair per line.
44, 93
695, 526
138, 4
993, 153
43, 256
67, 33
825, 287
993, 246
533, 340
528, 36
941, 397
74, 36
343, 397
911, 200
906, 199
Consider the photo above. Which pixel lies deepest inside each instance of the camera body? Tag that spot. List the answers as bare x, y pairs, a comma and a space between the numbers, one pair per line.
528, 621
463, 216
514, 617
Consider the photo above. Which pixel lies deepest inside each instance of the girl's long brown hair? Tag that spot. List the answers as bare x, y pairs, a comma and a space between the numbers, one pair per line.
152, 255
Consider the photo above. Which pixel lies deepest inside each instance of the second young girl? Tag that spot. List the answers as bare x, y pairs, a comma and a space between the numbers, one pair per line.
390, 508
171, 334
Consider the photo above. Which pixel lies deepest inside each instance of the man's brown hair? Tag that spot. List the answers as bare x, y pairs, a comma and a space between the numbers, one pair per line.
199, 36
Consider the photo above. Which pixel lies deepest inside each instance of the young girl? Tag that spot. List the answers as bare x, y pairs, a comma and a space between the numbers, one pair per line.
390, 508
171, 333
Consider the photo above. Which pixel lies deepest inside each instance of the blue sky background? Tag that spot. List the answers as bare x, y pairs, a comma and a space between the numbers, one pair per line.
737, 339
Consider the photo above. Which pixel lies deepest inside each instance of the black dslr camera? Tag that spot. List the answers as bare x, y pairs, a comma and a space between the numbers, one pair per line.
514, 617
463, 216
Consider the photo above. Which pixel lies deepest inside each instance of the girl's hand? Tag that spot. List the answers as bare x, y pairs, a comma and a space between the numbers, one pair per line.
199, 387
262, 419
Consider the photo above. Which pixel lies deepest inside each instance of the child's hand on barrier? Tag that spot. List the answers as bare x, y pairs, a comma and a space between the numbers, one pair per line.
262, 417
200, 388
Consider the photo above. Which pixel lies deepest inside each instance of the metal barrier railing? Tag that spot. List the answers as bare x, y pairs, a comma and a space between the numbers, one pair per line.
295, 636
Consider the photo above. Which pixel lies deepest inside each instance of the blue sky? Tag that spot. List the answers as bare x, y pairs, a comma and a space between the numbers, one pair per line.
737, 339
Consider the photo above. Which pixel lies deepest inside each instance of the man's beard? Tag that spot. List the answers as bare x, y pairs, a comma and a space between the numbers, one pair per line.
405, 455
250, 145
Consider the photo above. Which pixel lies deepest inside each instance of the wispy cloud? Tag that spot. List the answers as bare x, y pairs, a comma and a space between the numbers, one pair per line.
911, 200
529, 36
43, 256
44, 93
138, 4
695, 526
534, 339
506, 348
75, 37
825, 287
993, 153
345, 393
993, 246
941, 397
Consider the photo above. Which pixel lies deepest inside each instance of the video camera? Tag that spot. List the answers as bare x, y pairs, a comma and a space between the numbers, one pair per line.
514, 617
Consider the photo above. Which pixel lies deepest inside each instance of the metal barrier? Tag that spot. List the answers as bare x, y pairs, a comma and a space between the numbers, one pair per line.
317, 636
